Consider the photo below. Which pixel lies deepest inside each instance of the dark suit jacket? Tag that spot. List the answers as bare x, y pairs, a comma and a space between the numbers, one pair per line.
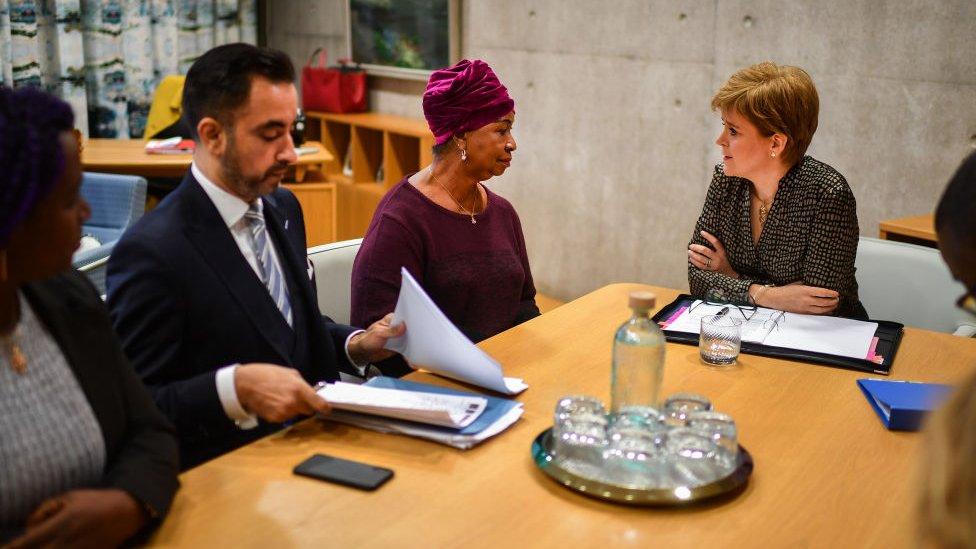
185, 303
140, 446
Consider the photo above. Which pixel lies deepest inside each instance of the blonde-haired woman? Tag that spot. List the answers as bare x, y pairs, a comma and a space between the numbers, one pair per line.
778, 229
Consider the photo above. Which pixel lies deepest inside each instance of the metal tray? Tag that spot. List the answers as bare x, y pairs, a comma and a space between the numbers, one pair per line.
664, 497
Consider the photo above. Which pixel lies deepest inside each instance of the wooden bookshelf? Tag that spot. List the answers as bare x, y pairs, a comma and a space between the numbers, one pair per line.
381, 149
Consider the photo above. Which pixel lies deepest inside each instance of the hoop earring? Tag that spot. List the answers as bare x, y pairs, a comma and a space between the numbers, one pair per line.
464, 155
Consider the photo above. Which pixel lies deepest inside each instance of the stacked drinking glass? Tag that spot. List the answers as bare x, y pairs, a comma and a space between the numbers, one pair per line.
683, 445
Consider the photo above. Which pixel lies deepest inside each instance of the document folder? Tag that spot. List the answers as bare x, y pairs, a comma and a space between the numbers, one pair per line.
499, 415
902, 405
888, 337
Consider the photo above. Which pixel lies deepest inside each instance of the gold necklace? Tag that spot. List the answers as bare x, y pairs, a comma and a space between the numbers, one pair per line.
11, 344
449, 193
763, 210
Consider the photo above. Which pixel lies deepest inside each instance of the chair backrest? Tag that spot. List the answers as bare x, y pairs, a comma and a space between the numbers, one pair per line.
908, 284
166, 106
116, 201
95, 271
333, 276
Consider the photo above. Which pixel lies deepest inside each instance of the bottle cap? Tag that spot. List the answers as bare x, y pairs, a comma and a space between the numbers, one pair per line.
642, 300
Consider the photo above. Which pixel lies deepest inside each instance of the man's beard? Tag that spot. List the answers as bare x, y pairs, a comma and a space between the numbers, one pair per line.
230, 168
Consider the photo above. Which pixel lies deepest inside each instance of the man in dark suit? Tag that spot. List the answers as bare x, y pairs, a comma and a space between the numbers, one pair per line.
211, 292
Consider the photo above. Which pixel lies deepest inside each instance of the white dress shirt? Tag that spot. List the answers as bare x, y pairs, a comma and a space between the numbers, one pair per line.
232, 210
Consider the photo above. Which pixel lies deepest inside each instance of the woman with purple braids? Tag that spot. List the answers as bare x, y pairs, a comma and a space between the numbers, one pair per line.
462, 242
86, 460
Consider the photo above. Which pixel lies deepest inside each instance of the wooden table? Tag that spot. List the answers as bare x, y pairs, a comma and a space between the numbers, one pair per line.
827, 473
317, 197
919, 229
128, 156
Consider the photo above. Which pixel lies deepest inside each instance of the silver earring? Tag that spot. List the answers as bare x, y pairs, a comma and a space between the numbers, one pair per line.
464, 155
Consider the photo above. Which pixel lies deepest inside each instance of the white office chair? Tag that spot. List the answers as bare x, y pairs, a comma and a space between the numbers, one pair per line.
909, 284
333, 276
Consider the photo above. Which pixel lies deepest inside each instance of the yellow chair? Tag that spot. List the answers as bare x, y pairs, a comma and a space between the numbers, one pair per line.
166, 106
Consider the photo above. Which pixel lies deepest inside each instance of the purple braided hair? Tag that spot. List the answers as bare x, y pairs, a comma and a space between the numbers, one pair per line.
31, 155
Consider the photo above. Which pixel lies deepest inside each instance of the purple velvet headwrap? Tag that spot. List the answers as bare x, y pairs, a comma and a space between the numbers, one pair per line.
464, 97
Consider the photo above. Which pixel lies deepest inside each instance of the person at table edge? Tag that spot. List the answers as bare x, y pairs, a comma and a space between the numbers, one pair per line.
778, 228
211, 292
462, 242
85, 456
947, 502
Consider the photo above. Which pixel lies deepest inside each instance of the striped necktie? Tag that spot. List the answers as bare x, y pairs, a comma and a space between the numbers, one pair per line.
270, 271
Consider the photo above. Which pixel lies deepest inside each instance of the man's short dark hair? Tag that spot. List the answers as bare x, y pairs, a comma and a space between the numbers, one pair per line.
220, 80
956, 212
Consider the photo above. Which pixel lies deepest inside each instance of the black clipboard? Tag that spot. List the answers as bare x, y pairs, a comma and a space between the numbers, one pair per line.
889, 338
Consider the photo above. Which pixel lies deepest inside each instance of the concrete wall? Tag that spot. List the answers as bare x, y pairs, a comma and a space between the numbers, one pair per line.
615, 133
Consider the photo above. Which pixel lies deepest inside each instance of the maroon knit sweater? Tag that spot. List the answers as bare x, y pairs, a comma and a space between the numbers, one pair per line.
478, 274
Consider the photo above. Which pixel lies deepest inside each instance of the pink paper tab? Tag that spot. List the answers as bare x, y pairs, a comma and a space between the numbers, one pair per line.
876, 358
678, 313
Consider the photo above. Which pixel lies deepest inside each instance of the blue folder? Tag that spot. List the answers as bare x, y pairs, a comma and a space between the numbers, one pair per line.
496, 408
902, 405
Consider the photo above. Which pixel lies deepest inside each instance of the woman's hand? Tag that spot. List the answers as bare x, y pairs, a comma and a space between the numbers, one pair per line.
83, 518
796, 298
711, 259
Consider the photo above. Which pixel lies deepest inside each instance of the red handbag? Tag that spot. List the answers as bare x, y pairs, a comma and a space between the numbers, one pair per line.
333, 89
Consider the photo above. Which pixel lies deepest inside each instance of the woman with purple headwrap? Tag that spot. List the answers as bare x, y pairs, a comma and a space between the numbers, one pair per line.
86, 460
461, 241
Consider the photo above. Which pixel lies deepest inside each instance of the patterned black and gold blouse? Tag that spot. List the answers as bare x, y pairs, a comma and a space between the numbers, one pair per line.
810, 235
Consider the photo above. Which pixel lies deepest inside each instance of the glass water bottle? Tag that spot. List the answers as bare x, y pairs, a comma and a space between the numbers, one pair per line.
638, 359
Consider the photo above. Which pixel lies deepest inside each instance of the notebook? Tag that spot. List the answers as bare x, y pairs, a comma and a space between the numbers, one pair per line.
867, 346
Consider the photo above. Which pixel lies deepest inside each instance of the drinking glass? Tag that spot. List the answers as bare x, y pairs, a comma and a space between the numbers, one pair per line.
579, 408
720, 339
679, 405
720, 428
579, 432
636, 454
693, 458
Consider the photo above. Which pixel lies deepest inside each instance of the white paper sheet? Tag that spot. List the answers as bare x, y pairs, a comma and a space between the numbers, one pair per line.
754, 329
437, 435
435, 409
433, 342
817, 333
824, 334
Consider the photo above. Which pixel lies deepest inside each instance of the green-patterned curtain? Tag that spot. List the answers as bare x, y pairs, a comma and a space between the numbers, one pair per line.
105, 57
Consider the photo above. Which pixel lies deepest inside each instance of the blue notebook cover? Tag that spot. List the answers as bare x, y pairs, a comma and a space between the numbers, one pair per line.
902, 405
496, 408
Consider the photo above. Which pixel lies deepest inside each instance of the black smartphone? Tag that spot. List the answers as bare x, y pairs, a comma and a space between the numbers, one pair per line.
343, 471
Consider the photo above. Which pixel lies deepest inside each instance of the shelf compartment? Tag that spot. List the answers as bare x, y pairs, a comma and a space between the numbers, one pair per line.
401, 154
367, 154
335, 139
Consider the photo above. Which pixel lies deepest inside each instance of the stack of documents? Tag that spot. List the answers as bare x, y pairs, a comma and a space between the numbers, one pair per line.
434, 343
454, 411
820, 334
448, 416
173, 145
